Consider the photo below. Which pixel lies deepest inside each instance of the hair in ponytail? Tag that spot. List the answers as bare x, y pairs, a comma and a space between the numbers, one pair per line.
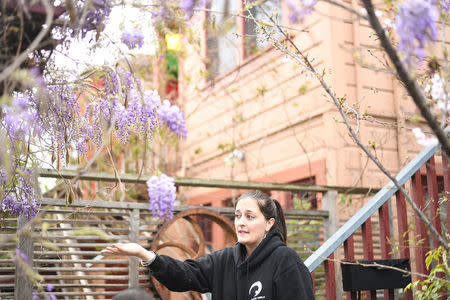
270, 208
280, 222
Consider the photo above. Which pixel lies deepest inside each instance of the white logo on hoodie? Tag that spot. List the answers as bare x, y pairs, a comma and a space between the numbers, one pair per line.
258, 286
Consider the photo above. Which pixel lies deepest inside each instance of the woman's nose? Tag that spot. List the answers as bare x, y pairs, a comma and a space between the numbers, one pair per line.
239, 221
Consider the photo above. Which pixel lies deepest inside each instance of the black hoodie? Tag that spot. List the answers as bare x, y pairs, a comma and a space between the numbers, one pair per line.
272, 272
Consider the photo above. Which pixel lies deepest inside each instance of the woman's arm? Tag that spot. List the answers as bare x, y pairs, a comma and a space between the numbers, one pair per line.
176, 275
129, 249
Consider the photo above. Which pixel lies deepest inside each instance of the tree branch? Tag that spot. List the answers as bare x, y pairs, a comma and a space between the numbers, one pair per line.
24, 55
411, 84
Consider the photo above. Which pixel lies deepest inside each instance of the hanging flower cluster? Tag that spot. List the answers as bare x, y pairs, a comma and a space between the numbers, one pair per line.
173, 118
96, 12
415, 23
162, 195
21, 195
298, 9
59, 122
19, 118
133, 38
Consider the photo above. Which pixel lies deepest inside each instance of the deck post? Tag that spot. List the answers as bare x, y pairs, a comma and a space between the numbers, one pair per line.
133, 236
330, 227
25, 245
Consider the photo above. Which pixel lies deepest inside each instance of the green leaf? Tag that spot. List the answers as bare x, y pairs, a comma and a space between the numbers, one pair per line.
49, 245
91, 231
45, 227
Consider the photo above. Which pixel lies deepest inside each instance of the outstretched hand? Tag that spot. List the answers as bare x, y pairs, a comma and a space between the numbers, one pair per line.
128, 249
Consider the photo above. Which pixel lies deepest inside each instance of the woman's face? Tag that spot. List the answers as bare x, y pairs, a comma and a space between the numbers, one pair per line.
251, 226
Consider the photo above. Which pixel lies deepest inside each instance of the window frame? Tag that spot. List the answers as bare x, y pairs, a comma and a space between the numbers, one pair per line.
243, 57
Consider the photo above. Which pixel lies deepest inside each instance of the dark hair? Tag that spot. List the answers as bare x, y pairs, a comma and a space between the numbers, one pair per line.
270, 208
133, 294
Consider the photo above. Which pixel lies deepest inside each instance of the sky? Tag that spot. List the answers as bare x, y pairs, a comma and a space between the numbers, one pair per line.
86, 52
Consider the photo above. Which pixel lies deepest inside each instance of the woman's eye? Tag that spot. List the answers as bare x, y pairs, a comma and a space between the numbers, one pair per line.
236, 216
250, 217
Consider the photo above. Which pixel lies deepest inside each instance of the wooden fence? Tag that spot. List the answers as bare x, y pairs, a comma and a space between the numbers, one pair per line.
413, 240
66, 251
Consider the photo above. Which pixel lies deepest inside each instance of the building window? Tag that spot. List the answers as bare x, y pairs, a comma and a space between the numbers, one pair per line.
227, 27
255, 40
223, 50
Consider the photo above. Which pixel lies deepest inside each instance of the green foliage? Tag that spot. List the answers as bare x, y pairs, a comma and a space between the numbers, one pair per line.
91, 231
437, 283
261, 91
345, 199
226, 147
301, 204
303, 89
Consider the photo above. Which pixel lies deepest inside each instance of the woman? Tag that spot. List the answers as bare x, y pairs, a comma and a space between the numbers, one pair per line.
259, 266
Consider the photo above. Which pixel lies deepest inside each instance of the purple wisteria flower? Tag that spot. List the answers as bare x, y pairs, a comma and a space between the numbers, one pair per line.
415, 23
162, 15
111, 83
19, 118
98, 12
444, 3
188, 7
133, 38
21, 258
299, 9
22, 198
61, 119
49, 295
137, 115
173, 118
162, 195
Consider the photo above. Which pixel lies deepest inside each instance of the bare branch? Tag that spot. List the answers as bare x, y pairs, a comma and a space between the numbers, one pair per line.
24, 55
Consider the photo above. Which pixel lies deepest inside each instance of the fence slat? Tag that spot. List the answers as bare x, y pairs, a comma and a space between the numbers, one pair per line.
349, 253
434, 198
330, 278
434, 205
422, 241
385, 238
366, 229
445, 170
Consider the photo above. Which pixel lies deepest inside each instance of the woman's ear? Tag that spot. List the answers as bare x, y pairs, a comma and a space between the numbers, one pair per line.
269, 224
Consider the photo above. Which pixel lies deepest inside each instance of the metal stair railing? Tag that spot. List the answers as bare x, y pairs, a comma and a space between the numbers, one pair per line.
379, 202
